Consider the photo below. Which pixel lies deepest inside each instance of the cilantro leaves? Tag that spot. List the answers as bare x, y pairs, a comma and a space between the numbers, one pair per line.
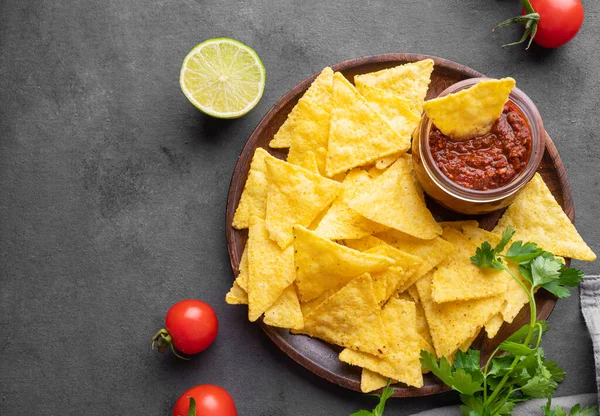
386, 393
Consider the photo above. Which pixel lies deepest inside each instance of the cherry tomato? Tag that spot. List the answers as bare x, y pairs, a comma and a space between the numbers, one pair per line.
559, 22
191, 326
210, 401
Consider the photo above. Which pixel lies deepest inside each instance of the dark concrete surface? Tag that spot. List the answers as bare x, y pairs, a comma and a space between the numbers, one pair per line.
113, 187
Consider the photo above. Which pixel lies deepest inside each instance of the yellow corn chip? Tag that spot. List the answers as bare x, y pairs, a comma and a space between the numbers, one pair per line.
358, 135
270, 268
295, 196
285, 312
537, 217
395, 200
432, 252
471, 112
459, 279
236, 295
311, 132
308, 307
458, 225
451, 324
371, 381
340, 222
254, 197
242, 279
310, 162
414, 294
322, 264
493, 325
409, 81
398, 111
318, 93
386, 162
399, 274
401, 359
350, 318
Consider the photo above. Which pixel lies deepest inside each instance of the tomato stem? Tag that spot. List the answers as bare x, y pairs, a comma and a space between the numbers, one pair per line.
163, 339
529, 20
527, 6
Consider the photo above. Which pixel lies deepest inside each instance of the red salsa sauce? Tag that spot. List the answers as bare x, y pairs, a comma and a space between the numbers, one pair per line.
489, 161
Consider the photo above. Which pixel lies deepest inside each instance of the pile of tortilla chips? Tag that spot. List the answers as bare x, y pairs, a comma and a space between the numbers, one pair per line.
342, 247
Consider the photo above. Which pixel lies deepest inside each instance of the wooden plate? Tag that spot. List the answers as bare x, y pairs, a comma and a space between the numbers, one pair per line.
321, 357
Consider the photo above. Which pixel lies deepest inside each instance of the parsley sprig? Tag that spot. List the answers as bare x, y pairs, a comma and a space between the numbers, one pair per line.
386, 393
517, 370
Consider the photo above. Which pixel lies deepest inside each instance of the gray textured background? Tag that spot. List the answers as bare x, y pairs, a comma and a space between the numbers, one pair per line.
113, 187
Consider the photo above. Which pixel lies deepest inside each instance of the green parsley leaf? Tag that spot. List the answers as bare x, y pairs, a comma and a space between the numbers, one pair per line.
472, 405
545, 270
539, 387
386, 393
516, 348
519, 252
557, 373
484, 256
506, 236
470, 362
458, 379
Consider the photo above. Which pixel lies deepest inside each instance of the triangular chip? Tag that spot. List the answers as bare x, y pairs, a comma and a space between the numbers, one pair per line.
451, 324
395, 200
322, 264
270, 268
254, 197
398, 275
311, 134
242, 279
358, 135
471, 112
537, 217
386, 162
398, 111
295, 196
371, 381
340, 222
516, 298
350, 318
493, 325
409, 81
459, 279
401, 359
318, 93
285, 312
310, 162
236, 295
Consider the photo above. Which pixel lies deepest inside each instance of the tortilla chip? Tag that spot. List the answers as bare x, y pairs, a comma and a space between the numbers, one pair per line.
401, 359
386, 162
270, 268
295, 196
336, 264
459, 279
537, 217
516, 298
398, 111
493, 325
399, 274
451, 324
242, 279
236, 295
358, 135
471, 112
285, 312
371, 381
414, 294
318, 93
311, 132
395, 200
340, 222
254, 197
458, 225
310, 162
432, 252
308, 307
350, 318
409, 81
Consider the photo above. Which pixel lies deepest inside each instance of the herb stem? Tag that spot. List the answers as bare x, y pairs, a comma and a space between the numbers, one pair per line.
532, 320
527, 6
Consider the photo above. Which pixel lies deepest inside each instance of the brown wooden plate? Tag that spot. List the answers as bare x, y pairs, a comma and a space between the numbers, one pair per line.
320, 357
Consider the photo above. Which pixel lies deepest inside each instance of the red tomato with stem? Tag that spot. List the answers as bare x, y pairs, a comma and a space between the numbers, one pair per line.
560, 20
191, 327
210, 401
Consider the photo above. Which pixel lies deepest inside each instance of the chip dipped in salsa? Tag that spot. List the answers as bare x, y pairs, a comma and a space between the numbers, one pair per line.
489, 161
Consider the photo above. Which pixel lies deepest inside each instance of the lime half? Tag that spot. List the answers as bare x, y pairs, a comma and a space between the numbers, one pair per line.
223, 78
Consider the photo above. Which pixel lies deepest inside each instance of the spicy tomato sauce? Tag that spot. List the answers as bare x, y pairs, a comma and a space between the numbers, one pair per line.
489, 161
